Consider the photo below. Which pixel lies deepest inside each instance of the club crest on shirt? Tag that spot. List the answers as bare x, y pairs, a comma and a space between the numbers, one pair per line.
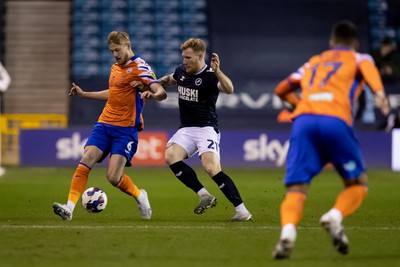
129, 70
198, 81
182, 78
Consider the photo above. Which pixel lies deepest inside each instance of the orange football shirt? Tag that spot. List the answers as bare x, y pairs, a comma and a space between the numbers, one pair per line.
124, 105
331, 83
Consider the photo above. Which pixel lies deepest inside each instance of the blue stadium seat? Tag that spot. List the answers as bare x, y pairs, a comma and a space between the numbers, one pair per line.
157, 29
85, 70
87, 30
86, 17
79, 41
85, 54
148, 56
194, 18
145, 29
86, 4
121, 4
167, 17
142, 17
167, 4
141, 3
200, 31
198, 4
171, 30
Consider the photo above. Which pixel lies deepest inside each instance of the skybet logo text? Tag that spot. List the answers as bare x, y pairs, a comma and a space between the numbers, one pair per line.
70, 147
262, 149
151, 149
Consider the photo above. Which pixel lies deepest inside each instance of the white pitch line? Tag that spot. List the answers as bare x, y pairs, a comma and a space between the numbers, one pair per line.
97, 227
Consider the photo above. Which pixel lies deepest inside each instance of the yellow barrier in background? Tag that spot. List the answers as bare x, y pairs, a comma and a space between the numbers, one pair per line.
11, 124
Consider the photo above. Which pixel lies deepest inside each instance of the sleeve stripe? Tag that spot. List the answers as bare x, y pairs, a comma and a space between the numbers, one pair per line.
146, 76
142, 67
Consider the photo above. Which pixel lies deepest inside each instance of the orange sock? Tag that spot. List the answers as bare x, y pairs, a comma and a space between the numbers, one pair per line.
292, 208
126, 185
350, 199
78, 183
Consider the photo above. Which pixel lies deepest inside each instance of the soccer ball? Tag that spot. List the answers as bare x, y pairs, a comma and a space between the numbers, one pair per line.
94, 199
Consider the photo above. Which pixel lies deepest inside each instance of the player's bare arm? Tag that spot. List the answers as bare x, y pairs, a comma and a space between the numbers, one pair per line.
157, 92
285, 91
167, 81
382, 102
76, 90
225, 84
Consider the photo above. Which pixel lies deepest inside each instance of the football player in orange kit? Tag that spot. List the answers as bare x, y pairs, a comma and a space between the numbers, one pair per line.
322, 132
116, 131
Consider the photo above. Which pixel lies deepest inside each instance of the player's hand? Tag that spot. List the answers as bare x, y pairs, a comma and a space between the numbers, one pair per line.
147, 95
139, 85
75, 90
215, 62
285, 116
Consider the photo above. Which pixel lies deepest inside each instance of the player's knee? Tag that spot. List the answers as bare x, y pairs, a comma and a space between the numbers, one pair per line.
301, 188
172, 157
169, 159
361, 180
88, 159
113, 178
211, 169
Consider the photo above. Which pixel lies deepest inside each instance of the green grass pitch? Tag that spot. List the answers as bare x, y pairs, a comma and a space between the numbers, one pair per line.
31, 235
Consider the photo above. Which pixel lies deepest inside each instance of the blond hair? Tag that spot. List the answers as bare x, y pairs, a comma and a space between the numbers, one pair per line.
196, 44
117, 37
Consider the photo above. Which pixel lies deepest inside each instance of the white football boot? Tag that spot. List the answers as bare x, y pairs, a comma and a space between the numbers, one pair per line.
63, 211
336, 231
242, 217
206, 202
144, 205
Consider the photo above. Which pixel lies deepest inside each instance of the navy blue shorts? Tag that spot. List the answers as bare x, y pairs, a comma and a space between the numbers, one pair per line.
317, 140
114, 140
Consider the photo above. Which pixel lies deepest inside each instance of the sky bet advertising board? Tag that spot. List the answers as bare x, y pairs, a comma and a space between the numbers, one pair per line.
261, 149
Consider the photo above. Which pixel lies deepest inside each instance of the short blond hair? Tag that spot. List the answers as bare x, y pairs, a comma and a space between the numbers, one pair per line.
196, 44
118, 37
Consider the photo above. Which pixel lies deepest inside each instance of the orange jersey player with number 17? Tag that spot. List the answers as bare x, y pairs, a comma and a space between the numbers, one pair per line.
322, 132
332, 82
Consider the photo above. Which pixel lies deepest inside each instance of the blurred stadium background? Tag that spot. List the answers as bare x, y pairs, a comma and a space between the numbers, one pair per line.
47, 45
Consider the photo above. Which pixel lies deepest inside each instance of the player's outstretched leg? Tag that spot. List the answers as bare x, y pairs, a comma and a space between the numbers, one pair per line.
63, 211
336, 231
188, 177
126, 185
348, 201
231, 192
291, 213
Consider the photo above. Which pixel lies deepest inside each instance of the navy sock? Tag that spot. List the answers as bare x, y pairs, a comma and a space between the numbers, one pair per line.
228, 187
186, 175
